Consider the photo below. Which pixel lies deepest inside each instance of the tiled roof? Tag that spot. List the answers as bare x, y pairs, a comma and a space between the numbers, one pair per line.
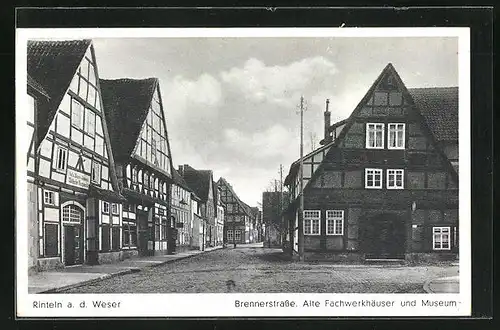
439, 106
126, 103
53, 64
179, 180
198, 181
36, 86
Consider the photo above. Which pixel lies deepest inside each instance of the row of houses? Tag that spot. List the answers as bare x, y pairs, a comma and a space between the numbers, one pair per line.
384, 183
101, 181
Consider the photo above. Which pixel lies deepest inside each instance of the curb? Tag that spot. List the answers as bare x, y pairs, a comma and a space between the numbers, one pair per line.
427, 286
119, 273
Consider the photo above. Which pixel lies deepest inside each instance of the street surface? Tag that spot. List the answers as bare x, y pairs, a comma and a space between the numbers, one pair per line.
253, 269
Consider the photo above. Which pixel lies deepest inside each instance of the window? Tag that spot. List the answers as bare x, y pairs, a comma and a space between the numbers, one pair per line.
396, 136
105, 238
77, 114
96, 172
395, 179
114, 208
89, 121
105, 207
375, 136
335, 222
161, 212
72, 213
133, 235
311, 222
229, 235
115, 232
62, 158
134, 175
441, 238
154, 152
164, 229
48, 197
126, 235
237, 235
373, 178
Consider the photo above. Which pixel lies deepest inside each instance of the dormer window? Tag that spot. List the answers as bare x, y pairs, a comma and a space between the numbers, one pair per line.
374, 136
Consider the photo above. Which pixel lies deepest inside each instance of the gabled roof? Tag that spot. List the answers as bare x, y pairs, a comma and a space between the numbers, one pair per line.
439, 106
126, 102
53, 64
241, 204
198, 181
37, 87
179, 180
438, 97
296, 164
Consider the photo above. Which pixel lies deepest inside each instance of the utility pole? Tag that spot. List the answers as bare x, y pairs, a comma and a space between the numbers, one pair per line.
281, 206
301, 183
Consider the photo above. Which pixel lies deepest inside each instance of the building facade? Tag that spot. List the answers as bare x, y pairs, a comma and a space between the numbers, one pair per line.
237, 217
200, 182
219, 215
385, 182
139, 140
181, 213
78, 203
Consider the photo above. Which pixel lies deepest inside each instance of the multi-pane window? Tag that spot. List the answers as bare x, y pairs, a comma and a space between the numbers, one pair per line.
312, 222
164, 229
335, 222
374, 136
134, 175
373, 178
115, 233
441, 238
229, 235
396, 136
89, 121
95, 175
71, 213
51, 240
395, 179
48, 197
114, 208
237, 235
77, 110
105, 237
61, 159
105, 207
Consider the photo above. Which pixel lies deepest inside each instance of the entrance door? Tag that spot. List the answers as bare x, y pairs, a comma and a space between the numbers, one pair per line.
142, 240
384, 237
73, 242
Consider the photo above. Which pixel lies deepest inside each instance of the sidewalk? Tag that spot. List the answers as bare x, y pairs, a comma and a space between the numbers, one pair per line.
55, 280
449, 284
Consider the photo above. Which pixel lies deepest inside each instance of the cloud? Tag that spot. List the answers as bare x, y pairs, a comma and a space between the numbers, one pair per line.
202, 95
272, 142
279, 84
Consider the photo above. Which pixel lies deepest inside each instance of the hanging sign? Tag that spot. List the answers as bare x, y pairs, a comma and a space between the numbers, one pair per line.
78, 179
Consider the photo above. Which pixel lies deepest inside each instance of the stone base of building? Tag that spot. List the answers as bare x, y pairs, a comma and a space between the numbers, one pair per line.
160, 252
183, 248
344, 257
430, 258
45, 264
109, 257
127, 254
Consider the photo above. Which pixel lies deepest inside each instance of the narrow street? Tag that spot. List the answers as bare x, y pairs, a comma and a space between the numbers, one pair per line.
253, 269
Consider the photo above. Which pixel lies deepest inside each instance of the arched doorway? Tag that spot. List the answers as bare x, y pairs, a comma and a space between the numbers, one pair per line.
73, 233
384, 237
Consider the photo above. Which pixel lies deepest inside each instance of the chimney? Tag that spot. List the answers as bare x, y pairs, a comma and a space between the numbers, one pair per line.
327, 122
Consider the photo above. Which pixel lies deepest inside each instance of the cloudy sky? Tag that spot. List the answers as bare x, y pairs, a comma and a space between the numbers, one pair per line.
231, 103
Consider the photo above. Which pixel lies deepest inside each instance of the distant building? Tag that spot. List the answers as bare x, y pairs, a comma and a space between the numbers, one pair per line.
237, 216
219, 214
385, 182
200, 182
182, 216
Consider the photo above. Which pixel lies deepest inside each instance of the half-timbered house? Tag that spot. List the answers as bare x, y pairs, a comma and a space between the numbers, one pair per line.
181, 212
385, 183
139, 140
219, 214
200, 181
237, 217
78, 201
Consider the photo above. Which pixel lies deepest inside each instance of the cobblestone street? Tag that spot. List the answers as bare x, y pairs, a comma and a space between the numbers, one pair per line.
256, 269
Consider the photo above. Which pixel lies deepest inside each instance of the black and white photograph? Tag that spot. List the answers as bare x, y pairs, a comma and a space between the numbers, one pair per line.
299, 171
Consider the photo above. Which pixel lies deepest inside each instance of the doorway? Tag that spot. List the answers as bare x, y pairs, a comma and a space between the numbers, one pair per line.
143, 229
384, 237
72, 216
